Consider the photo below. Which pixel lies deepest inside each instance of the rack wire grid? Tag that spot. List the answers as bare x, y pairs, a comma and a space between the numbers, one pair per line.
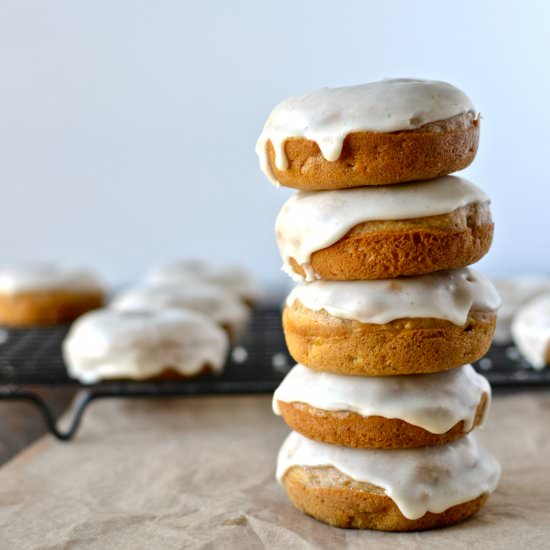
257, 364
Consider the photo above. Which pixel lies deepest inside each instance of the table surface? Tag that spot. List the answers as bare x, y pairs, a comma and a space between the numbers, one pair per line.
199, 473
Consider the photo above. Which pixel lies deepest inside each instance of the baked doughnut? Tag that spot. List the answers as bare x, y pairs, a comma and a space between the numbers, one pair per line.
233, 278
384, 232
44, 294
138, 345
412, 325
389, 490
531, 331
222, 306
386, 132
385, 412
515, 293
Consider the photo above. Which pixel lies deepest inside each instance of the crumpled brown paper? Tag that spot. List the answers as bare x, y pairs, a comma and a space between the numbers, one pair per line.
199, 473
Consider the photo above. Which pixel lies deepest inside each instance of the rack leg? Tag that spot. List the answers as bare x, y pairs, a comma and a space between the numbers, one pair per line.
83, 399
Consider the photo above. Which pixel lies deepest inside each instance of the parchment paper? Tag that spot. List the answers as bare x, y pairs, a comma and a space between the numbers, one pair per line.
198, 473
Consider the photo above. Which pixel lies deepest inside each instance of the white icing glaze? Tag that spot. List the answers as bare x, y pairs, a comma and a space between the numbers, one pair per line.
434, 402
311, 221
108, 344
36, 277
448, 295
221, 305
515, 292
233, 278
328, 115
531, 330
428, 479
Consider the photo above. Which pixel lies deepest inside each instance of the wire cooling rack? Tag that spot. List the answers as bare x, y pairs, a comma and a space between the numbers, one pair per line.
32, 357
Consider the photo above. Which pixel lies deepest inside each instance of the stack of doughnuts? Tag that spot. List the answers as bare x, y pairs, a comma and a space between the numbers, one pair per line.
387, 315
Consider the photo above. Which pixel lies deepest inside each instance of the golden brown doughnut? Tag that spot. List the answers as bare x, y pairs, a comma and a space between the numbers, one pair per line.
404, 346
46, 307
381, 158
334, 498
350, 429
389, 249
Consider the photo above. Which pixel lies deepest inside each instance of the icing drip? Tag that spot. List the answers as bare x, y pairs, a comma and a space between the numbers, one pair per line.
531, 330
311, 221
328, 115
448, 295
428, 479
112, 344
434, 402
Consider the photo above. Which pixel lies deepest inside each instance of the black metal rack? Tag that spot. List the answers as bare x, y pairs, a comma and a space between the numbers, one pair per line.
31, 357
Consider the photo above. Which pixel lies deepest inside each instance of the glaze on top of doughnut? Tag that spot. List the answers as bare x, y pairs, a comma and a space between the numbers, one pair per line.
214, 301
108, 344
434, 402
231, 277
328, 115
448, 295
426, 479
45, 276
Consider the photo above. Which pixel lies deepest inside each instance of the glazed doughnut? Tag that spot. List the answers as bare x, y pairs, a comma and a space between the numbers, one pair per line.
384, 232
393, 412
233, 278
386, 132
44, 294
390, 490
515, 293
222, 306
107, 344
531, 331
412, 325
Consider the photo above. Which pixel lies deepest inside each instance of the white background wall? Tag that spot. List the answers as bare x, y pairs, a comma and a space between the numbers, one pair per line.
127, 128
